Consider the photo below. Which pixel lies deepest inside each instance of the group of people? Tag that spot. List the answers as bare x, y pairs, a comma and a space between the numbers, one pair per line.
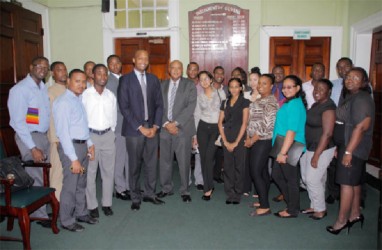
97, 118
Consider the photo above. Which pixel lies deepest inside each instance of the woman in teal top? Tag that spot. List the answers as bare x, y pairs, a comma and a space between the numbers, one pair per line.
290, 123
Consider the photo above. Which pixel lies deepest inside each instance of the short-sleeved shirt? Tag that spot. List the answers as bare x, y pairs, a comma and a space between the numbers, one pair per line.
291, 116
353, 110
313, 127
233, 117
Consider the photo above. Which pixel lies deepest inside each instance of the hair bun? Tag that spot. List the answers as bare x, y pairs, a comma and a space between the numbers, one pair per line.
256, 70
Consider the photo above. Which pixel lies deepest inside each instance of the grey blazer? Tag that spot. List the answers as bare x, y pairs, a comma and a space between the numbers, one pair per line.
184, 107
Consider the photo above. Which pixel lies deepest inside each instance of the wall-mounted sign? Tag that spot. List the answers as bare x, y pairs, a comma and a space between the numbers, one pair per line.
301, 35
219, 36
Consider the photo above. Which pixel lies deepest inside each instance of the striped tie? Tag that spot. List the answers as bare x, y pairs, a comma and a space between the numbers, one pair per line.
171, 102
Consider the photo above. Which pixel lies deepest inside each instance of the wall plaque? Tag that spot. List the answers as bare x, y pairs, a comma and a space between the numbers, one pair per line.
219, 36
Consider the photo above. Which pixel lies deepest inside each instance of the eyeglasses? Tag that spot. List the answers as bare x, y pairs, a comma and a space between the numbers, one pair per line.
353, 78
288, 87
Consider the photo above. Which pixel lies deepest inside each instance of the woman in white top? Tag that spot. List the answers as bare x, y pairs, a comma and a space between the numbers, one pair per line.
206, 121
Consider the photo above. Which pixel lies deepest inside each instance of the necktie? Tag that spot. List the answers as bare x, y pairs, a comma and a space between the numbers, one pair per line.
171, 102
144, 93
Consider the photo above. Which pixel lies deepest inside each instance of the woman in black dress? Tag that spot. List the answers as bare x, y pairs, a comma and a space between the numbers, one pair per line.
232, 124
353, 135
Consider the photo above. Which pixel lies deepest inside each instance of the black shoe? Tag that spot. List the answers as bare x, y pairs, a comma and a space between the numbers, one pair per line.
360, 218
186, 198
45, 223
107, 211
154, 200
125, 195
94, 213
208, 197
219, 180
200, 187
75, 227
331, 230
228, 202
135, 206
285, 217
236, 202
87, 219
330, 199
162, 194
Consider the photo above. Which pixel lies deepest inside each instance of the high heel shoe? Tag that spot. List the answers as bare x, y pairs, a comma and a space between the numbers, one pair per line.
208, 197
331, 229
360, 218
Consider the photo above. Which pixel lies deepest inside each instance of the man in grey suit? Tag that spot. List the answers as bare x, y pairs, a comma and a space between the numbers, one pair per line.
179, 99
141, 104
121, 171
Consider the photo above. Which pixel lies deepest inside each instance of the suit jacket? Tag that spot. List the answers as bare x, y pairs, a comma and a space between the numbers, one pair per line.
184, 107
130, 100
112, 85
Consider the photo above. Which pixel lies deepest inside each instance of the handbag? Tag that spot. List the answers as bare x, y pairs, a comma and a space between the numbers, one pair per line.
294, 152
13, 165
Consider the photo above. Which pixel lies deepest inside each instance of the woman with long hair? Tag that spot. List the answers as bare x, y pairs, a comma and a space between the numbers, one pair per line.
290, 123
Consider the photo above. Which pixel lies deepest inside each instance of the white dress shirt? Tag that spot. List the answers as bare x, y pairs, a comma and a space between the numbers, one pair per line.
308, 88
101, 109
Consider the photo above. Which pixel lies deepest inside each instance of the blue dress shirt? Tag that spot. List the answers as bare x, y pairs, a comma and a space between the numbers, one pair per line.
71, 122
29, 109
336, 90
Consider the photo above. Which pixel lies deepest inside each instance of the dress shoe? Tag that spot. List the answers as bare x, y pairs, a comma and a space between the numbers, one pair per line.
186, 198
107, 211
162, 194
154, 200
360, 219
236, 202
208, 197
45, 223
228, 202
285, 216
94, 213
200, 187
135, 206
219, 180
315, 217
331, 229
125, 195
75, 227
278, 198
87, 219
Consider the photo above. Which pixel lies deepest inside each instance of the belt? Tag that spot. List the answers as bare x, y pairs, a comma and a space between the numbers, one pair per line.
79, 141
99, 132
33, 132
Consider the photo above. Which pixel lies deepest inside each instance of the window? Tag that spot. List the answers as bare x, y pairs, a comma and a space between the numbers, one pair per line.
137, 14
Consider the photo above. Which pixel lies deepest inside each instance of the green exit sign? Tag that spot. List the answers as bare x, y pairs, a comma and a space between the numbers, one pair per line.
301, 35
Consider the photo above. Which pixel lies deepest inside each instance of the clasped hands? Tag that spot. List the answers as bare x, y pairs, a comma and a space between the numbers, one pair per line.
148, 132
172, 128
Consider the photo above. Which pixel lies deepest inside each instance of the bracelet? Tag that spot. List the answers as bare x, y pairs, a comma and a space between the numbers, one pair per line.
348, 153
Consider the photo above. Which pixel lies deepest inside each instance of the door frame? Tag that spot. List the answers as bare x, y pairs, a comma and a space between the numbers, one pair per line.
173, 31
335, 32
361, 34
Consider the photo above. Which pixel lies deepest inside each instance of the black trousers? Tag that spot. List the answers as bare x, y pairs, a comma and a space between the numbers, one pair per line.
287, 179
234, 164
206, 135
219, 158
258, 163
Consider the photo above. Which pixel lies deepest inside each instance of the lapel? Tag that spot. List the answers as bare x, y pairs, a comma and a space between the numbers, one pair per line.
179, 93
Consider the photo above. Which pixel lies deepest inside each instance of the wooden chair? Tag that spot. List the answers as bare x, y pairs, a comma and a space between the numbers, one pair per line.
19, 204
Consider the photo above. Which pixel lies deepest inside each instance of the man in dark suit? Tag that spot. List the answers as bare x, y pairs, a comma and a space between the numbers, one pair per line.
179, 98
141, 104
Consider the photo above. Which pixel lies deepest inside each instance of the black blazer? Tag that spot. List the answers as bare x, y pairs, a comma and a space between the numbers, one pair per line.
130, 100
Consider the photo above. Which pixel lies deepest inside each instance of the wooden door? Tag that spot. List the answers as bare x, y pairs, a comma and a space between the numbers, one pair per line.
376, 81
157, 47
20, 41
298, 56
